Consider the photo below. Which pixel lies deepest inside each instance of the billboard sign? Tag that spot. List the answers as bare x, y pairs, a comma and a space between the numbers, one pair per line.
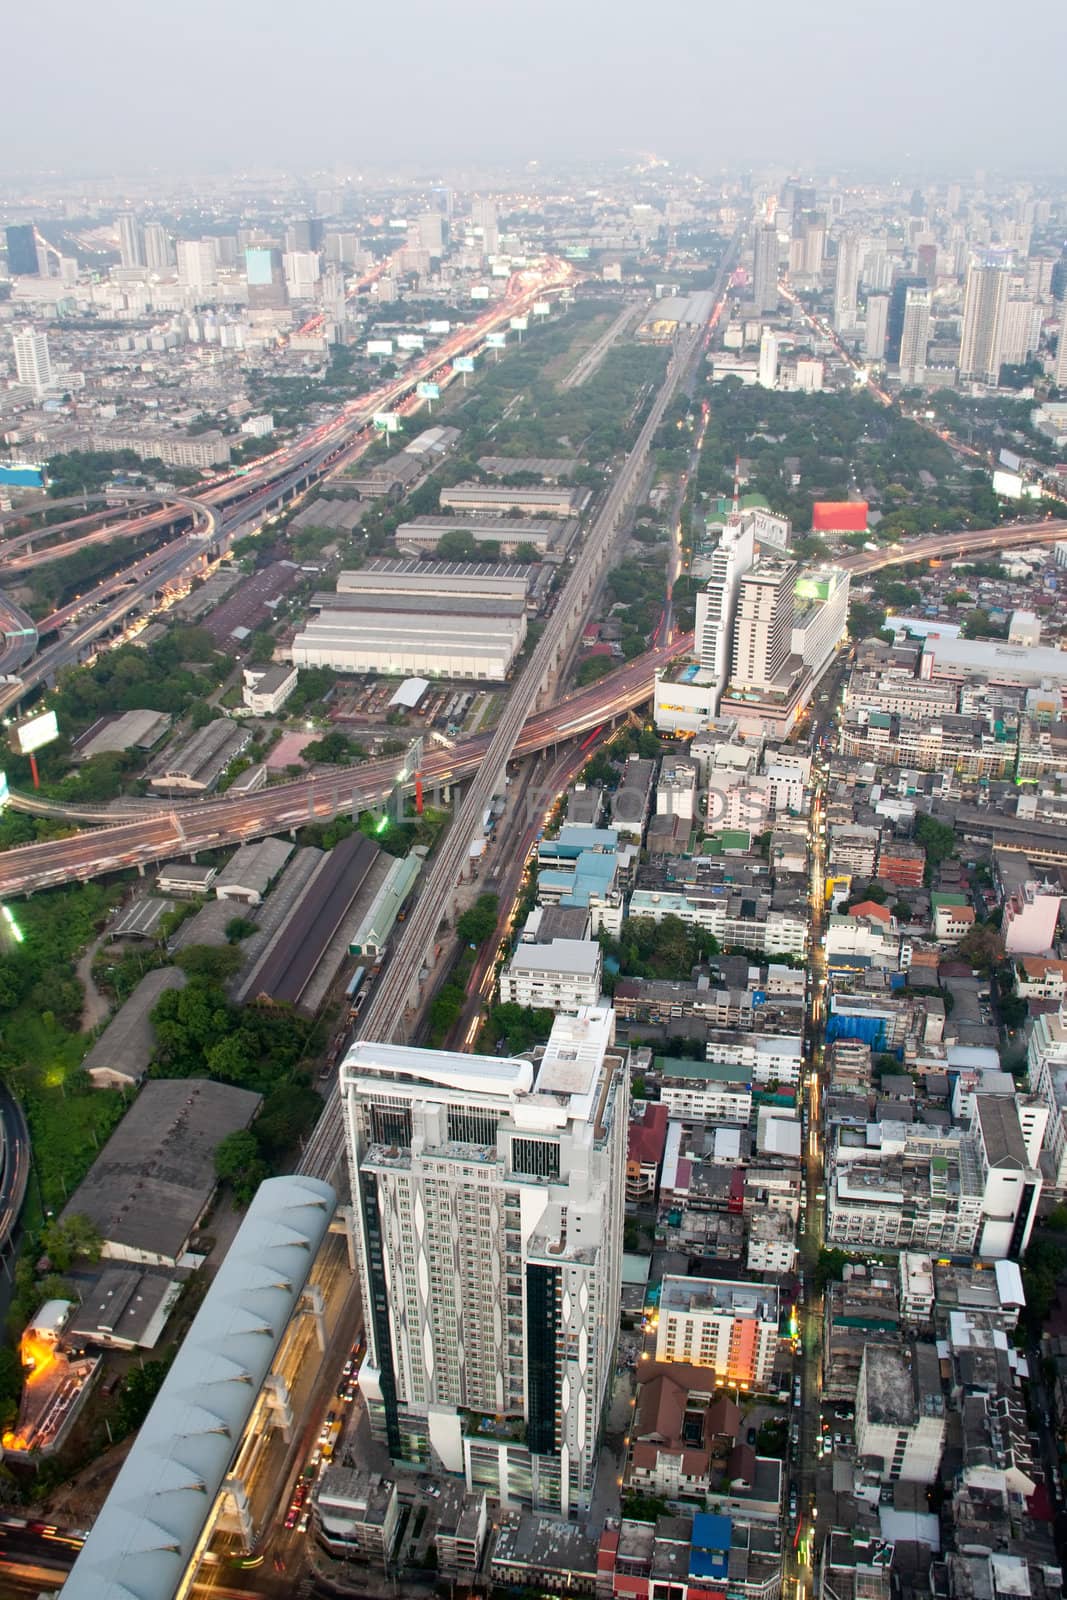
39, 731
386, 422
520, 324
379, 347
463, 364
496, 341
410, 341
439, 327
428, 391
479, 291
542, 308
5, 793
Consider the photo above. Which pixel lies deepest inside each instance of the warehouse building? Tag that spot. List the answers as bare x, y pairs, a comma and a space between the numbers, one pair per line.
148, 1189
296, 966
121, 1055
445, 580
196, 766
547, 501
550, 538
251, 870
548, 469
133, 730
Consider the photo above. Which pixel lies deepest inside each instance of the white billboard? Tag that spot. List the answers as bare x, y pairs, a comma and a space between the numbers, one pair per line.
386, 422
428, 391
30, 736
479, 291
439, 327
520, 324
542, 308
379, 347
464, 364
496, 341
410, 341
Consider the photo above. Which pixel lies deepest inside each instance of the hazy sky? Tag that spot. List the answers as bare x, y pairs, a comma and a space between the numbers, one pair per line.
124, 85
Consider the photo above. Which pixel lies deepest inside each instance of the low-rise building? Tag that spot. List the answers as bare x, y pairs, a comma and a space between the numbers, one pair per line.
357, 1513
122, 1054
705, 1091
561, 976
251, 870
266, 689
728, 1326
900, 1412
196, 766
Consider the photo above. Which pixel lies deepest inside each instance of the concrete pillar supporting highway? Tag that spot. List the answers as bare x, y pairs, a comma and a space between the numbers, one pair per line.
140, 869
237, 1510
279, 1403
316, 1307
347, 1217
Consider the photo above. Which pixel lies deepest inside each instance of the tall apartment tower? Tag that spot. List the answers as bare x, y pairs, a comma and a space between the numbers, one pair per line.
763, 625
484, 216
21, 241
765, 268
717, 602
877, 327
131, 241
196, 263
846, 281
767, 376
915, 336
984, 301
33, 363
156, 247
1059, 376
488, 1216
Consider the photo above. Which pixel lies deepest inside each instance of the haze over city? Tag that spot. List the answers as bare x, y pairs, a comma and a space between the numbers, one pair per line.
905, 88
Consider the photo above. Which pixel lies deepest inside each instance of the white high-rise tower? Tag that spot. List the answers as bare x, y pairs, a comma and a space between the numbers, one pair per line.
717, 602
984, 300
846, 281
915, 336
489, 1197
33, 363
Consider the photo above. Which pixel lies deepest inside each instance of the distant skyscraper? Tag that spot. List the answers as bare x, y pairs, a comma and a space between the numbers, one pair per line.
915, 336
489, 1207
33, 364
716, 604
877, 323
1020, 328
765, 268
763, 625
484, 217
266, 278
895, 323
814, 246
196, 263
298, 235
846, 281
1059, 372
131, 241
984, 300
441, 199
926, 263
431, 232
768, 360
22, 251
156, 247
301, 273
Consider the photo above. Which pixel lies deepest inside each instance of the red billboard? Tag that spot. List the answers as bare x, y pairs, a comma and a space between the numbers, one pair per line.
839, 516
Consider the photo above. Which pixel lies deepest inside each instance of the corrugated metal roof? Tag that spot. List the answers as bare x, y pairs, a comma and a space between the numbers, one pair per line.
143, 1539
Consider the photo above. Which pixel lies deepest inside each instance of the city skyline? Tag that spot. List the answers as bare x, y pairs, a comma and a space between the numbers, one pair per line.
567, 88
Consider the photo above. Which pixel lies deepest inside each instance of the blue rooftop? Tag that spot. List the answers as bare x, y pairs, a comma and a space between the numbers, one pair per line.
710, 1553
574, 837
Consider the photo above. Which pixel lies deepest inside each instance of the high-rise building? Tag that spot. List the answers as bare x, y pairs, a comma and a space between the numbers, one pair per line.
22, 251
915, 336
302, 271
984, 300
441, 198
716, 604
1021, 327
33, 364
1059, 372
196, 263
430, 227
846, 281
488, 1216
877, 325
765, 268
895, 321
814, 245
484, 218
265, 277
767, 376
763, 625
157, 257
298, 235
131, 241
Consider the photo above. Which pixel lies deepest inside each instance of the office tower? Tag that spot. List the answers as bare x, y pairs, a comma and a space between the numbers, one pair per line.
877, 322
953, 197
814, 246
131, 240
484, 217
302, 273
441, 199
763, 625
846, 281
767, 376
298, 235
156, 247
22, 251
895, 321
1057, 283
265, 277
716, 604
915, 336
33, 364
196, 263
765, 268
334, 304
926, 263
983, 316
430, 230
488, 1214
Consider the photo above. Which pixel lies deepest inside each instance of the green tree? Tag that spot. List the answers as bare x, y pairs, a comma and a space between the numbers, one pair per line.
68, 1239
239, 928
478, 922
238, 1162
139, 1390
982, 946
936, 838
830, 1268
214, 964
